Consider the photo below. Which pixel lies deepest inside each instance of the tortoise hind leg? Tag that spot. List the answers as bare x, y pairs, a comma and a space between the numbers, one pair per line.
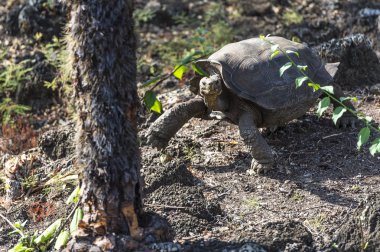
167, 125
348, 119
261, 152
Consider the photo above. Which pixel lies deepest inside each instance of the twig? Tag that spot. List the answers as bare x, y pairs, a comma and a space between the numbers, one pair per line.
167, 206
333, 135
165, 76
13, 226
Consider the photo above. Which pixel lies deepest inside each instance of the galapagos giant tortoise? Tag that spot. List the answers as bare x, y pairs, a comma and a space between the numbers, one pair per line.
245, 85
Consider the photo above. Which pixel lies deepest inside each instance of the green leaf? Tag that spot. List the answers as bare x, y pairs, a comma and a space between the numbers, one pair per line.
78, 216
285, 67
190, 55
74, 196
17, 224
262, 37
296, 39
363, 137
187, 59
315, 86
274, 48
301, 80
302, 68
338, 113
20, 247
152, 102
199, 70
368, 119
375, 147
62, 239
48, 233
274, 54
343, 99
179, 71
290, 52
323, 105
152, 81
328, 89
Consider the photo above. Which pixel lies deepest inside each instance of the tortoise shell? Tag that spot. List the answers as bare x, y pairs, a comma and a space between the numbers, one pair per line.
248, 71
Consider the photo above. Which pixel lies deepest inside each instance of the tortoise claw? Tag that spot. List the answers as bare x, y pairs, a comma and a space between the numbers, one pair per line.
156, 139
347, 121
259, 168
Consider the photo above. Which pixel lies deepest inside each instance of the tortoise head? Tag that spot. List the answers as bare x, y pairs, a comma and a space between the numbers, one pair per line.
210, 86
208, 82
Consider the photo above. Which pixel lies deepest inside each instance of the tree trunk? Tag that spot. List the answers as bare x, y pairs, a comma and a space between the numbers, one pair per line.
102, 46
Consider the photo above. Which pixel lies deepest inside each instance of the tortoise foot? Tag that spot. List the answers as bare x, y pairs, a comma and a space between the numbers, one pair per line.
156, 139
348, 120
259, 168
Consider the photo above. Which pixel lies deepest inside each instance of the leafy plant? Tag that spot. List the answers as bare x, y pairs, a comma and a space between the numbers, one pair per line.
318, 222
338, 112
150, 98
214, 12
183, 19
29, 182
57, 56
8, 109
31, 243
12, 76
143, 15
291, 16
252, 203
25, 242
189, 152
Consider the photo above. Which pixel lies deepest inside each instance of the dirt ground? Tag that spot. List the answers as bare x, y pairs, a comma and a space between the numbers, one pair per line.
199, 183
319, 179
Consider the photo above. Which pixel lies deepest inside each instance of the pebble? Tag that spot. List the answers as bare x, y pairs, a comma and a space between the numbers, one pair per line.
368, 12
375, 89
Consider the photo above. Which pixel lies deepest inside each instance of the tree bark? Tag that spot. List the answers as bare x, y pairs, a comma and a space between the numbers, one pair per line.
102, 44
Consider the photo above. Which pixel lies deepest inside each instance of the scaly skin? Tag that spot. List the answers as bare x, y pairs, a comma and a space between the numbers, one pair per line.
262, 160
167, 125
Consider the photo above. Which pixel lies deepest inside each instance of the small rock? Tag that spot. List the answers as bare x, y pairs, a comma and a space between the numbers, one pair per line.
57, 143
375, 89
13, 190
367, 12
254, 7
365, 220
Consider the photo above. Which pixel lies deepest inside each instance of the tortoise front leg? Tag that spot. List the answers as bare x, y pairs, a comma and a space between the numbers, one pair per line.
167, 125
261, 152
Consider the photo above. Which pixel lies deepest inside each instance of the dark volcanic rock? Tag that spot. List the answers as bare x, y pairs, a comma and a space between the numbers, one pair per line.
164, 11
57, 143
45, 16
287, 235
362, 228
359, 65
254, 7
32, 92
